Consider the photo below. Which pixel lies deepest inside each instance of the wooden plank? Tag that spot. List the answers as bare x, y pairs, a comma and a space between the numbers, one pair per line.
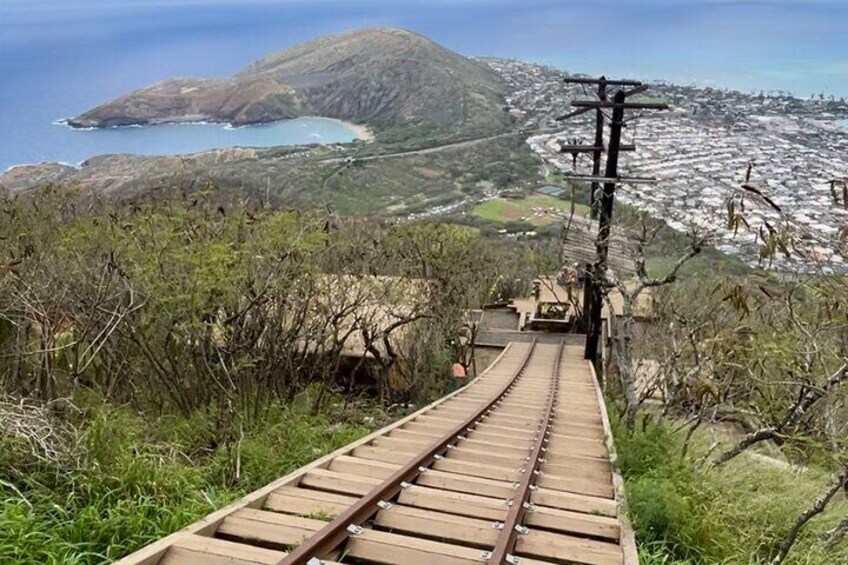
181, 556
506, 430
418, 442
589, 431
568, 521
383, 547
594, 486
475, 469
466, 454
564, 460
466, 483
451, 502
340, 483
379, 454
447, 527
400, 445
190, 549
419, 434
517, 453
570, 416
546, 545
506, 425
307, 502
512, 422
574, 502
500, 439
584, 407
577, 446
432, 427
579, 469
521, 408
362, 467
270, 529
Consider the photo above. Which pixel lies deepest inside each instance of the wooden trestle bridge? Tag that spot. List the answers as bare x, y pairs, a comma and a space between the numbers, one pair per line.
513, 468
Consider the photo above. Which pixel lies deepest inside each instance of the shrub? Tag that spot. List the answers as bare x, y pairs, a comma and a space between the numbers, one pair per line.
686, 512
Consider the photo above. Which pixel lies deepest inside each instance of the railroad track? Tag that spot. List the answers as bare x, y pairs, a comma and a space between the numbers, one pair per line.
513, 468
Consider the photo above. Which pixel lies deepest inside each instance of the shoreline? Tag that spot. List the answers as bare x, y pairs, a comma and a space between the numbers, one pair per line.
362, 131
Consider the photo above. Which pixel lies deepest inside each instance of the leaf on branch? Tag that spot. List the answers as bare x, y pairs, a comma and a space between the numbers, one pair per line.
766, 199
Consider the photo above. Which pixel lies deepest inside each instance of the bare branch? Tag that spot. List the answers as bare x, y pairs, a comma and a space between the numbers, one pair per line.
817, 508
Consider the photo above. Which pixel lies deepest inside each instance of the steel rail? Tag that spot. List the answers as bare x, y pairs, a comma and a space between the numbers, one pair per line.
512, 526
350, 521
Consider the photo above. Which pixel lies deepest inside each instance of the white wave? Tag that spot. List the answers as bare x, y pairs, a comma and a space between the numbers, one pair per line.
64, 122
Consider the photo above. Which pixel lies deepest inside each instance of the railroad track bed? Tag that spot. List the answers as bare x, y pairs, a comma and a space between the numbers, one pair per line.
513, 468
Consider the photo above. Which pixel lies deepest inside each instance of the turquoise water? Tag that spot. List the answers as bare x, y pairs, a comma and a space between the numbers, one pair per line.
71, 145
59, 58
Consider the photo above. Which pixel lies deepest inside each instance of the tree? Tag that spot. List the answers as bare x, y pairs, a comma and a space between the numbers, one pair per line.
817, 508
623, 332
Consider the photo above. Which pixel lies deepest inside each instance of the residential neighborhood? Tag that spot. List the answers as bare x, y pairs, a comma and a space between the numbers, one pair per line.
699, 151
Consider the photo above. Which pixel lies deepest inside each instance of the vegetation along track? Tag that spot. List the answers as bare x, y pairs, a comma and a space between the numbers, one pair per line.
513, 468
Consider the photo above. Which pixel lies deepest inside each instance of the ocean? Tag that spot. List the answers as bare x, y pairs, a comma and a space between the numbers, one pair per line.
61, 57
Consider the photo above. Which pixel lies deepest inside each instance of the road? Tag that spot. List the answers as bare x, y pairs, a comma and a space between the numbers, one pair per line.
438, 148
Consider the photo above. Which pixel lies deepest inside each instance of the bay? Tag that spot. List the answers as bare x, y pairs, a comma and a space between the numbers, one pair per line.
69, 145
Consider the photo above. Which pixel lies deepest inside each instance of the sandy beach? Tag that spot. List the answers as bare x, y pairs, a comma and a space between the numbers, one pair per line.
363, 132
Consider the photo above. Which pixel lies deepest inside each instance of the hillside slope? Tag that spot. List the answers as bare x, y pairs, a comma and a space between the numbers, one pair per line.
383, 77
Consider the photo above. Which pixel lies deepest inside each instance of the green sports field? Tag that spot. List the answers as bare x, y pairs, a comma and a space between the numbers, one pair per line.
539, 209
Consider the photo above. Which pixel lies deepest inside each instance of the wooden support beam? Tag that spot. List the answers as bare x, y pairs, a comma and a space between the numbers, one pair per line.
602, 80
591, 148
625, 105
635, 91
616, 180
573, 114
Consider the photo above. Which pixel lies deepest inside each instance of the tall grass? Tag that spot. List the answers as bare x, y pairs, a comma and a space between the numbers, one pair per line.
684, 512
144, 477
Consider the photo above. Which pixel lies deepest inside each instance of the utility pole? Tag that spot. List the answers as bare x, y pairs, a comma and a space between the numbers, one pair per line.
603, 199
598, 148
599, 143
604, 231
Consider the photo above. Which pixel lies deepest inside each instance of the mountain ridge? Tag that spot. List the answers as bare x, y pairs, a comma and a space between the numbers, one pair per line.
380, 76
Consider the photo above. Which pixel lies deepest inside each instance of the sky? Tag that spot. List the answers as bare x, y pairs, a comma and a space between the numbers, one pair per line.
798, 45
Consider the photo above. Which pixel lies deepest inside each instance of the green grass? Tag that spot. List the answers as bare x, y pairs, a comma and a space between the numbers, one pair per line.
147, 477
650, 100
687, 513
503, 210
709, 261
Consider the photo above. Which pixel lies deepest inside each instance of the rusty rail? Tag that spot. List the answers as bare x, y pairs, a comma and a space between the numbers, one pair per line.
349, 522
503, 550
